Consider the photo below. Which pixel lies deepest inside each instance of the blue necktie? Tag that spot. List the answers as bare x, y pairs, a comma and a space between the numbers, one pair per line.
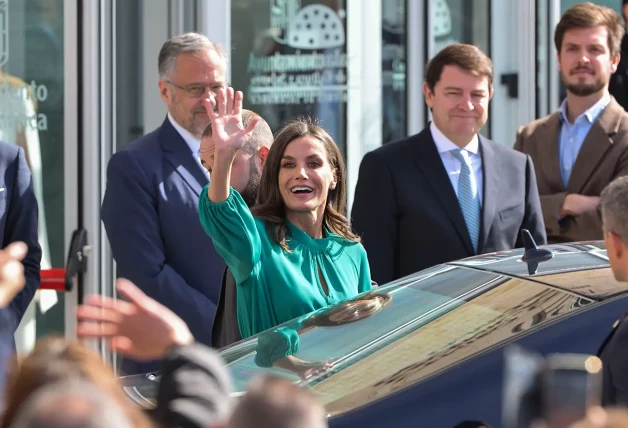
469, 202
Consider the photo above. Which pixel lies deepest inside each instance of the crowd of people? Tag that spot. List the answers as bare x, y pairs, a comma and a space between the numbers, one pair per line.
223, 230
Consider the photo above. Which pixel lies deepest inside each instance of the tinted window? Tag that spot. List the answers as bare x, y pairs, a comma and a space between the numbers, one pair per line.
410, 332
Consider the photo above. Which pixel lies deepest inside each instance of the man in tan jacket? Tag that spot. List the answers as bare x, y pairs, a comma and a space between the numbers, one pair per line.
581, 148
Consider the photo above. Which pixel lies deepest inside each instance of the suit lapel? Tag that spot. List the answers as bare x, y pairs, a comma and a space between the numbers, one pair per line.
595, 145
432, 168
610, 335
177, 152
548, 135
491, 170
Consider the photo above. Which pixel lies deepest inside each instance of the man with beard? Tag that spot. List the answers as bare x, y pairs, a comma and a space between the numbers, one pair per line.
580, 149
246, 173
150, 208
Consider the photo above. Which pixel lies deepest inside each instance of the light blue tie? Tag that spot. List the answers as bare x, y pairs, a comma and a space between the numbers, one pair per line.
469, 202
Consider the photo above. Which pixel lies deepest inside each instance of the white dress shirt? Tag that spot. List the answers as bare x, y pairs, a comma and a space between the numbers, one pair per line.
452, 165
193, 143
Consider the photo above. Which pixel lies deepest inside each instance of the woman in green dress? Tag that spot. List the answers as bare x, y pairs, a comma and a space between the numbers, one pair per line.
295, 252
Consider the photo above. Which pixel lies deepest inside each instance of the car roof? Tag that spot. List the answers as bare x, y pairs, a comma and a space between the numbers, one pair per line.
564, 270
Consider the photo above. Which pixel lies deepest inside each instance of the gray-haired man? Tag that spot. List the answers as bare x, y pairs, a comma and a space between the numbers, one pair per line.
614, 350
150, 208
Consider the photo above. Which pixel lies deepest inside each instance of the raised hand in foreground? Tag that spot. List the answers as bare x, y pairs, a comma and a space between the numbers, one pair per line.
139, 328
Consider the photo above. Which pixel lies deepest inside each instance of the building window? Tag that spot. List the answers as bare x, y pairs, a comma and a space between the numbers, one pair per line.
460, 21
394, 46
290, 59
32, 116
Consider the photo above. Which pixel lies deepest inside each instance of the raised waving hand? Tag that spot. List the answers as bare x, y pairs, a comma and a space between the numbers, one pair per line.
228, 136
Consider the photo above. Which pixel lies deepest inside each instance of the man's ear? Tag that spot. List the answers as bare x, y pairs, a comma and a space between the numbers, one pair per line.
615, 62
616, 244
427, 93
262, 153
164, 91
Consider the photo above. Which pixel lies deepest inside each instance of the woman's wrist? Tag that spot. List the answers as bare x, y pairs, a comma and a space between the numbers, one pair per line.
227, 154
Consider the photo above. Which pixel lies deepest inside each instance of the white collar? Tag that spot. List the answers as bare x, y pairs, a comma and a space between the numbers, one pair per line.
193, 143
444, 144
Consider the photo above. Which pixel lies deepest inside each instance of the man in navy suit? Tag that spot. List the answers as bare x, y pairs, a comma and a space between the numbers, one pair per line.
446, 193
19, 214
150, 208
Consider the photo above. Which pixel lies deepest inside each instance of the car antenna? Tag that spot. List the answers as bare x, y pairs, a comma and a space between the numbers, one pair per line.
533, 255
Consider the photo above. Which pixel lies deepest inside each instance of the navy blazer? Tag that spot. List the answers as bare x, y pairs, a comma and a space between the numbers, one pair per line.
408, 215
19, 216
150, 213
614, 355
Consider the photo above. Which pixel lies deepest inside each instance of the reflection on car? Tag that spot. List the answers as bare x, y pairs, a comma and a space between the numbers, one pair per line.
427, 349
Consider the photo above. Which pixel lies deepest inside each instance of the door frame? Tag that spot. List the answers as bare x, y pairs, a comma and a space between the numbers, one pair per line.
70, 147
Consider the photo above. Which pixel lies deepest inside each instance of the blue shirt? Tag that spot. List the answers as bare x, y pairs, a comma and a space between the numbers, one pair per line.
572, 135
452, 165
193, 143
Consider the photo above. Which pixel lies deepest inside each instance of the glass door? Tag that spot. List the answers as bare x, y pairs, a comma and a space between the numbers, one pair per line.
33, 87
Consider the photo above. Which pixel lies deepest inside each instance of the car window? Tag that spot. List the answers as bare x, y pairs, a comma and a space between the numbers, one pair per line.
470, 328
411, 330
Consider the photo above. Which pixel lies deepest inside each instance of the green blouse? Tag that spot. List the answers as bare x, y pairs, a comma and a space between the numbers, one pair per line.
275, 286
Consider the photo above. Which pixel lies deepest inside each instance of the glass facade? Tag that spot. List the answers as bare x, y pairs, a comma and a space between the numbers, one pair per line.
289, 57
460, 21
32, 116
394, 66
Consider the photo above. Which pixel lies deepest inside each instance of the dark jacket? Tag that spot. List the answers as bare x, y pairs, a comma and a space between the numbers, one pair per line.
150, 213
618, 84
194, 389
409, 217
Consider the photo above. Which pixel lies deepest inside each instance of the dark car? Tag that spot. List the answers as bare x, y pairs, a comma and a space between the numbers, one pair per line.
428, 349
